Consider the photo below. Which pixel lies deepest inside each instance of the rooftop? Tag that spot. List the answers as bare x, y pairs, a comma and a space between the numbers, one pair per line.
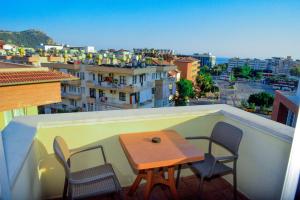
27, 75
186, 59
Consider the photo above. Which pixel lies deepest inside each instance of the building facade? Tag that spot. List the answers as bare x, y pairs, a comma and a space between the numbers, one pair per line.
206, 59
108, 87
277, 65
286, 107
23, 88
188, 67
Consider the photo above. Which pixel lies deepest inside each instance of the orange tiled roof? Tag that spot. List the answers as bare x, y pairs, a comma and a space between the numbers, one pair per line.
186, 59
30, 77
156, 61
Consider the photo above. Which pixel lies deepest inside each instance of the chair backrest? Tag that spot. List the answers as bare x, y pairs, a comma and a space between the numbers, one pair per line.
62, 152
227, 136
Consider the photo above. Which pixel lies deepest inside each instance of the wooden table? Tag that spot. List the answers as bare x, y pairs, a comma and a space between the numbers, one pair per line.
150, 159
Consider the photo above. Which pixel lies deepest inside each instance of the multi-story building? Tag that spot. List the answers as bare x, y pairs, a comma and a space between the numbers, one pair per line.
286, 107
283, 65
47, 47
158, 51
86, 49
107, 87
255, 64
189, 67
206, 59
277, 65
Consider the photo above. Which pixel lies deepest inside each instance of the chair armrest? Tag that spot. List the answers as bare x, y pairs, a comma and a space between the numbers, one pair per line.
91, 179
225, 158
89, 149
198, 137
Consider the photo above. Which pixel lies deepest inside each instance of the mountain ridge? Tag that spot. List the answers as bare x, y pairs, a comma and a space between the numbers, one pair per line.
27, 38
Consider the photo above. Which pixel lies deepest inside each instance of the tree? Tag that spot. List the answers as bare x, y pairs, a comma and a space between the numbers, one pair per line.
295, 71
185, 91
22, 52
232, 77
204, 69
261, 99
204, 83
245, 71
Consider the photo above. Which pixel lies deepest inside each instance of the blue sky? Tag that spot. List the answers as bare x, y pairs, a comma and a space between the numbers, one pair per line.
256, 28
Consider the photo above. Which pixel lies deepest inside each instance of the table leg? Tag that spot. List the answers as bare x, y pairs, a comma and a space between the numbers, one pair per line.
149, 184
171, 183
178, 176
136, 183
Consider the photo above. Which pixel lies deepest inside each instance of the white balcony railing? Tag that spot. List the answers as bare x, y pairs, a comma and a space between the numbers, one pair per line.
34, 172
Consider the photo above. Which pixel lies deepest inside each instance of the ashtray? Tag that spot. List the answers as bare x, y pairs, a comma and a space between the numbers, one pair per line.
155, 140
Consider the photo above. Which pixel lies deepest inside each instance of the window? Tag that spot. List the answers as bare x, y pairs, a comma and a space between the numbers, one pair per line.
90, 106
134, 78
122, 96
153, 90
101, 93
82, 90
73, 102
92, 93
81, 75
122, 80
94, 77
72, 88
153, 76
111, 75
100, 77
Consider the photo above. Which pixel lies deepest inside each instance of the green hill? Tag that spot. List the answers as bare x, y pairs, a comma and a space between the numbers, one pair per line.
27, 38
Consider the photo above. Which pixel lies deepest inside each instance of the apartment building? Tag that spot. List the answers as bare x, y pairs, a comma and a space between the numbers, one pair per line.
206, 59
277, 65
108, 87
189, 67
255, 64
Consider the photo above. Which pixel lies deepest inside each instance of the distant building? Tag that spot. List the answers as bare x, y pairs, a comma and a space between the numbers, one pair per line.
158, 51
206, 59
47, 47
24, 87
86, 49
9, 47
286, 107
255, 64
283, 65
277, 65
189, 67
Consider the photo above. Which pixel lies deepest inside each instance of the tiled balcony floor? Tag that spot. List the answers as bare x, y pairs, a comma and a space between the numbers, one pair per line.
216, 189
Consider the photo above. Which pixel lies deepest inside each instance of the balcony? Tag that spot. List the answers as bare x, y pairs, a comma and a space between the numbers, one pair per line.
68, 95
73, 82
119, 87
34, 172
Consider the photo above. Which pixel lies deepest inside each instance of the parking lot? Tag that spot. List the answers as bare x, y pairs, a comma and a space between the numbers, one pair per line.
242, 90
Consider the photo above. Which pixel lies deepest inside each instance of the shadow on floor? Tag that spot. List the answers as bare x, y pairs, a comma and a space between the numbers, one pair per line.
216, 189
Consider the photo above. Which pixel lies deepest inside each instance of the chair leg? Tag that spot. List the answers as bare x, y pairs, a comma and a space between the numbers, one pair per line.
65, 188
201, 186
234, 186
178, 176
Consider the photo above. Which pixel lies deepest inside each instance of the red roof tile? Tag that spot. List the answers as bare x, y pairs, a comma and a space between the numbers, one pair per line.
27, 77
